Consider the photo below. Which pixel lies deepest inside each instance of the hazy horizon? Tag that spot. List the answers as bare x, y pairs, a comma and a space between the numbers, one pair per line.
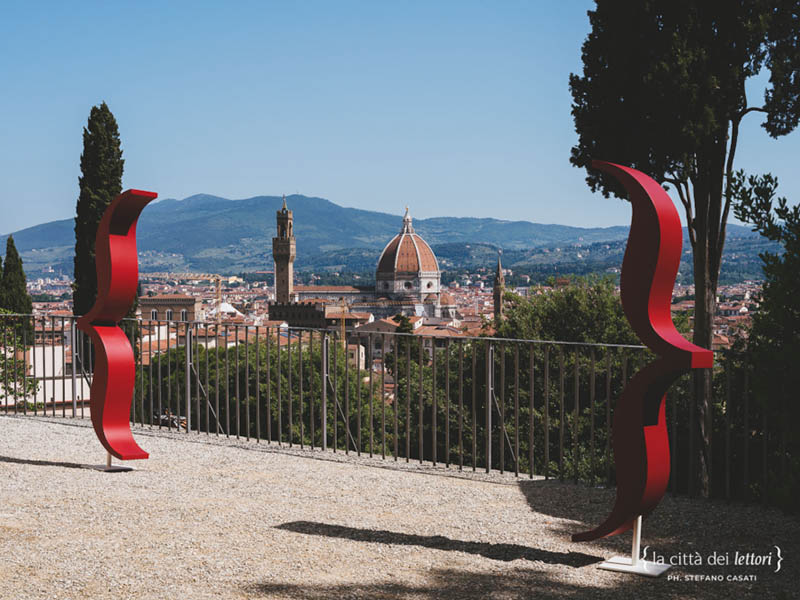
455, 108
373, 209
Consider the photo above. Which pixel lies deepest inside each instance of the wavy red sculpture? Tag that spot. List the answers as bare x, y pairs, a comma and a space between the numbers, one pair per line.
641, 444
114, 369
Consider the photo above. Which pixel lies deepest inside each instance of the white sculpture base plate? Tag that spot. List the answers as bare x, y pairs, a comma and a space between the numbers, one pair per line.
642, 567
111, 469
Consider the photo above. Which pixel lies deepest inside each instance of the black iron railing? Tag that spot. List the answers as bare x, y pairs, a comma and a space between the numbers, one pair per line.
521, 406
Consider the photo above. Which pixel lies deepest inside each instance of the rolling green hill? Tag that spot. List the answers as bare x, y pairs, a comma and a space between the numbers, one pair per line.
212, 234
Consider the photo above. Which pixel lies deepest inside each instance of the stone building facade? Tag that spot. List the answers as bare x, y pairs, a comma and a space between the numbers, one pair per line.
170, 307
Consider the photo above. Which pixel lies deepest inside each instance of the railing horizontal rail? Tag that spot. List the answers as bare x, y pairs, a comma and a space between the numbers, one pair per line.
531, 407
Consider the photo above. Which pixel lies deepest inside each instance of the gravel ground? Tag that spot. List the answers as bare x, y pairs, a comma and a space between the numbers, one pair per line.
216, 518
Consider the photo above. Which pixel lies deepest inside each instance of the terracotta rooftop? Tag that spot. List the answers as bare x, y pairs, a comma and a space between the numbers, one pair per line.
446, 299
348, 315
438, 331
326, 288
167, 297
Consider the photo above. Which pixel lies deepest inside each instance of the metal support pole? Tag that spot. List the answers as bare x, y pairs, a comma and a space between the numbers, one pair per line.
109, 467
188, 380
74, 342
637, 541
324, 370
489, 396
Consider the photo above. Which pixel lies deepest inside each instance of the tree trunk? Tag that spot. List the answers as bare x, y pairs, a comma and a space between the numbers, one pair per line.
705, 281
700, 421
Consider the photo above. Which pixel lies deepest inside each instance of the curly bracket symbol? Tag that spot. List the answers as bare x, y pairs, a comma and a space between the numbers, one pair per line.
117, 277
641, 445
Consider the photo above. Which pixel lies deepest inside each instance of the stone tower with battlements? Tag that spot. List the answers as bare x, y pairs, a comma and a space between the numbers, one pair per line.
283, 253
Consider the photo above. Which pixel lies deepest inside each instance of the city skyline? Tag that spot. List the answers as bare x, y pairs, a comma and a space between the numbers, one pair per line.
457, 109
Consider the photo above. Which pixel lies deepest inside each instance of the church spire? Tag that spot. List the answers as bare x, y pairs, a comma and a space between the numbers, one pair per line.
499, 272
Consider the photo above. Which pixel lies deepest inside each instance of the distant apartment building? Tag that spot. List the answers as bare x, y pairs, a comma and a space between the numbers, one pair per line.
356, 356
170, 307
317, 313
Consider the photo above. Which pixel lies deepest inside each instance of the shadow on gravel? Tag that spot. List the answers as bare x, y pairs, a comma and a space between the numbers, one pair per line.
41, 463
566, 500
452, 584
585, 505
505, 552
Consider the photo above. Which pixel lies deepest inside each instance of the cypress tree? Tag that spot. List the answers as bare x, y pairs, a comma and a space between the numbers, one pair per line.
14, 295
100, 182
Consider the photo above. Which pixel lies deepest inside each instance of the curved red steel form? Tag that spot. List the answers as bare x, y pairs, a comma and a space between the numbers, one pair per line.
641, 444
114, 370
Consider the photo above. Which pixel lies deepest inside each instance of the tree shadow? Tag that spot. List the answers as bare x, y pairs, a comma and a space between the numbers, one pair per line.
680, 525
41, 463
504, 552
586, 506
453, 584
567, 500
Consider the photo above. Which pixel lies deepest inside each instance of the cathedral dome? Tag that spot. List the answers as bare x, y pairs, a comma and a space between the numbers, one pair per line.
408, 270
407, 254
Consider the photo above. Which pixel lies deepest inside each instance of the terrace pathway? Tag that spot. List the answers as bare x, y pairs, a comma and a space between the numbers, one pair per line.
216, 518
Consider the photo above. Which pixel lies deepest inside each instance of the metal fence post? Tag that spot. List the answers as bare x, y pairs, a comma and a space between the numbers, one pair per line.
489, 393
324, 372
740, 463
74, 342
188, 369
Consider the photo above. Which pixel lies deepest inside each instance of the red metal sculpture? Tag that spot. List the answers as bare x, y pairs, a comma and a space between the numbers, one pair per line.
114, 369
641, 445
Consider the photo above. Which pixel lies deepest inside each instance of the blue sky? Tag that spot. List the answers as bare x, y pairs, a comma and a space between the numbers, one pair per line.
454, 108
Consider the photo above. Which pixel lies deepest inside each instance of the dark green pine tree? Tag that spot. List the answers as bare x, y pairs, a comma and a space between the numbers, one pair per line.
100, 182
14, 295
664, 89
773, 343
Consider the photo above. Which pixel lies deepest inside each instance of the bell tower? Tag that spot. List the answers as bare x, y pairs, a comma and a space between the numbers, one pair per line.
283, 253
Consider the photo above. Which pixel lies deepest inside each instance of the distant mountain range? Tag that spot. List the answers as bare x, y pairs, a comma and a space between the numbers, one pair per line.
212, 234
